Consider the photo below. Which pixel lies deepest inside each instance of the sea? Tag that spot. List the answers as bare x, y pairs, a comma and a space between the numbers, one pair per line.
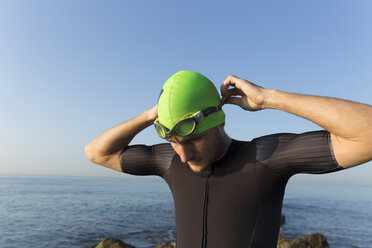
53, 211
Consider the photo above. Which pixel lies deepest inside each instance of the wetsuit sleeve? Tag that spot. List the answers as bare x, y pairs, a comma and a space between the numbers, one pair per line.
289, 154
146, 160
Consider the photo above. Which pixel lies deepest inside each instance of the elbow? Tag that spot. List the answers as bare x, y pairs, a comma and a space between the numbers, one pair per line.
89, 153
94, 156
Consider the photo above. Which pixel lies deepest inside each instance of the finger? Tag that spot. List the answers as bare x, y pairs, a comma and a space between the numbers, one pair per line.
224, 86
224, 89
235, 91
223, 99
236, 83
234, 100
229, 81
232, 81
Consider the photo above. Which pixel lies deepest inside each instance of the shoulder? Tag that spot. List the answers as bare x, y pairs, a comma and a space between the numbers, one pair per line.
147, 148
284, 145
146, 159
292, 137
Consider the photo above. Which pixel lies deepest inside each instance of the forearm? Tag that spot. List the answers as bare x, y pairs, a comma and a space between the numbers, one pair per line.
350, 123
345, 119
118, 137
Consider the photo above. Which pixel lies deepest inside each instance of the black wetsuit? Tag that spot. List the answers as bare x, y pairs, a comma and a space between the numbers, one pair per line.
238, 202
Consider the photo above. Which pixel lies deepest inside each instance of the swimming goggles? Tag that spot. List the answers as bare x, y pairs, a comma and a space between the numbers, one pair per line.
187, 125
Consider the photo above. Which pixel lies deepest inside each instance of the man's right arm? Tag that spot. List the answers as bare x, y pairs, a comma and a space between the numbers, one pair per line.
105, 149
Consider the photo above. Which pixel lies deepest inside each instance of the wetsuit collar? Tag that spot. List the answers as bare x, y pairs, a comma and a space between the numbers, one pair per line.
228, 153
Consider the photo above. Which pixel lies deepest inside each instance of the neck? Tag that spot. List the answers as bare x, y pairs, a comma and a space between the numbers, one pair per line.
226, 142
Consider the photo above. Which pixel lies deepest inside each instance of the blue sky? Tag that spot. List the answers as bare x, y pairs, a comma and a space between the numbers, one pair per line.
70, 70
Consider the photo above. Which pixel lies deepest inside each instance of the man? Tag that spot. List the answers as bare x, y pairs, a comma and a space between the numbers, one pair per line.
228, 193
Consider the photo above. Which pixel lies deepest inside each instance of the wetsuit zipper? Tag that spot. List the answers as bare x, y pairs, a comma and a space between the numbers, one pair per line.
204, 245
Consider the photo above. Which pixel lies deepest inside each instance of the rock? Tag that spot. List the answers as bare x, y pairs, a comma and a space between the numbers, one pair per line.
316, 240
166, 245
282, 219
111, 243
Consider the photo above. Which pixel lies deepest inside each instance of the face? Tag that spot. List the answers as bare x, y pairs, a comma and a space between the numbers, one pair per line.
200, 150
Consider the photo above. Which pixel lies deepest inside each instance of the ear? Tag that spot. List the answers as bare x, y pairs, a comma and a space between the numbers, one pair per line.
222, 125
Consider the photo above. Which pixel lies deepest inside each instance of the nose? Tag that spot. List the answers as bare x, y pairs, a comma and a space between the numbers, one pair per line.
186, 152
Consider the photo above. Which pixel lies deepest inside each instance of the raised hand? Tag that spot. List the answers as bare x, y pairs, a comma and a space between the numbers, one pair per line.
250, 96
153, 113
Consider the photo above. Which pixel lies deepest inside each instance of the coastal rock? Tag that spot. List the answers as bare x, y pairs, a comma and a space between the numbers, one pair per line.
111, 243
166, 245
316, 240
282, 219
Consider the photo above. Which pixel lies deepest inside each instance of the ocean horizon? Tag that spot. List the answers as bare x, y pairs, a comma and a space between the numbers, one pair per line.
61, 211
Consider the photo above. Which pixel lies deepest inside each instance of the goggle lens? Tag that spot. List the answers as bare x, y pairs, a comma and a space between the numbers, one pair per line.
160, 131
185, 127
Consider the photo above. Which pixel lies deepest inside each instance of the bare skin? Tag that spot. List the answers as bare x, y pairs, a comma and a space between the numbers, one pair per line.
348, 122
198, 150
104, 150
202, 150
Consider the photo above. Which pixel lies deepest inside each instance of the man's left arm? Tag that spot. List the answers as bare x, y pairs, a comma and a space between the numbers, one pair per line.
350, 123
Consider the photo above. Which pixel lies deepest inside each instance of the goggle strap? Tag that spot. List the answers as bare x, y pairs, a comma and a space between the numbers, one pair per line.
200, 116
210, 110
213, 109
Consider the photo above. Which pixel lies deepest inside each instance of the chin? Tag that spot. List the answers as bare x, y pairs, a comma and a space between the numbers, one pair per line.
197, 170
197, 166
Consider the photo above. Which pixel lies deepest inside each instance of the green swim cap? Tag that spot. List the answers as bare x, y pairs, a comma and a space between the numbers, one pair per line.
188, 92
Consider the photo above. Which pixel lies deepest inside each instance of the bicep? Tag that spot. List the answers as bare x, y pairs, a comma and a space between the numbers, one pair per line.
349, 153
289, 154
111, 161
